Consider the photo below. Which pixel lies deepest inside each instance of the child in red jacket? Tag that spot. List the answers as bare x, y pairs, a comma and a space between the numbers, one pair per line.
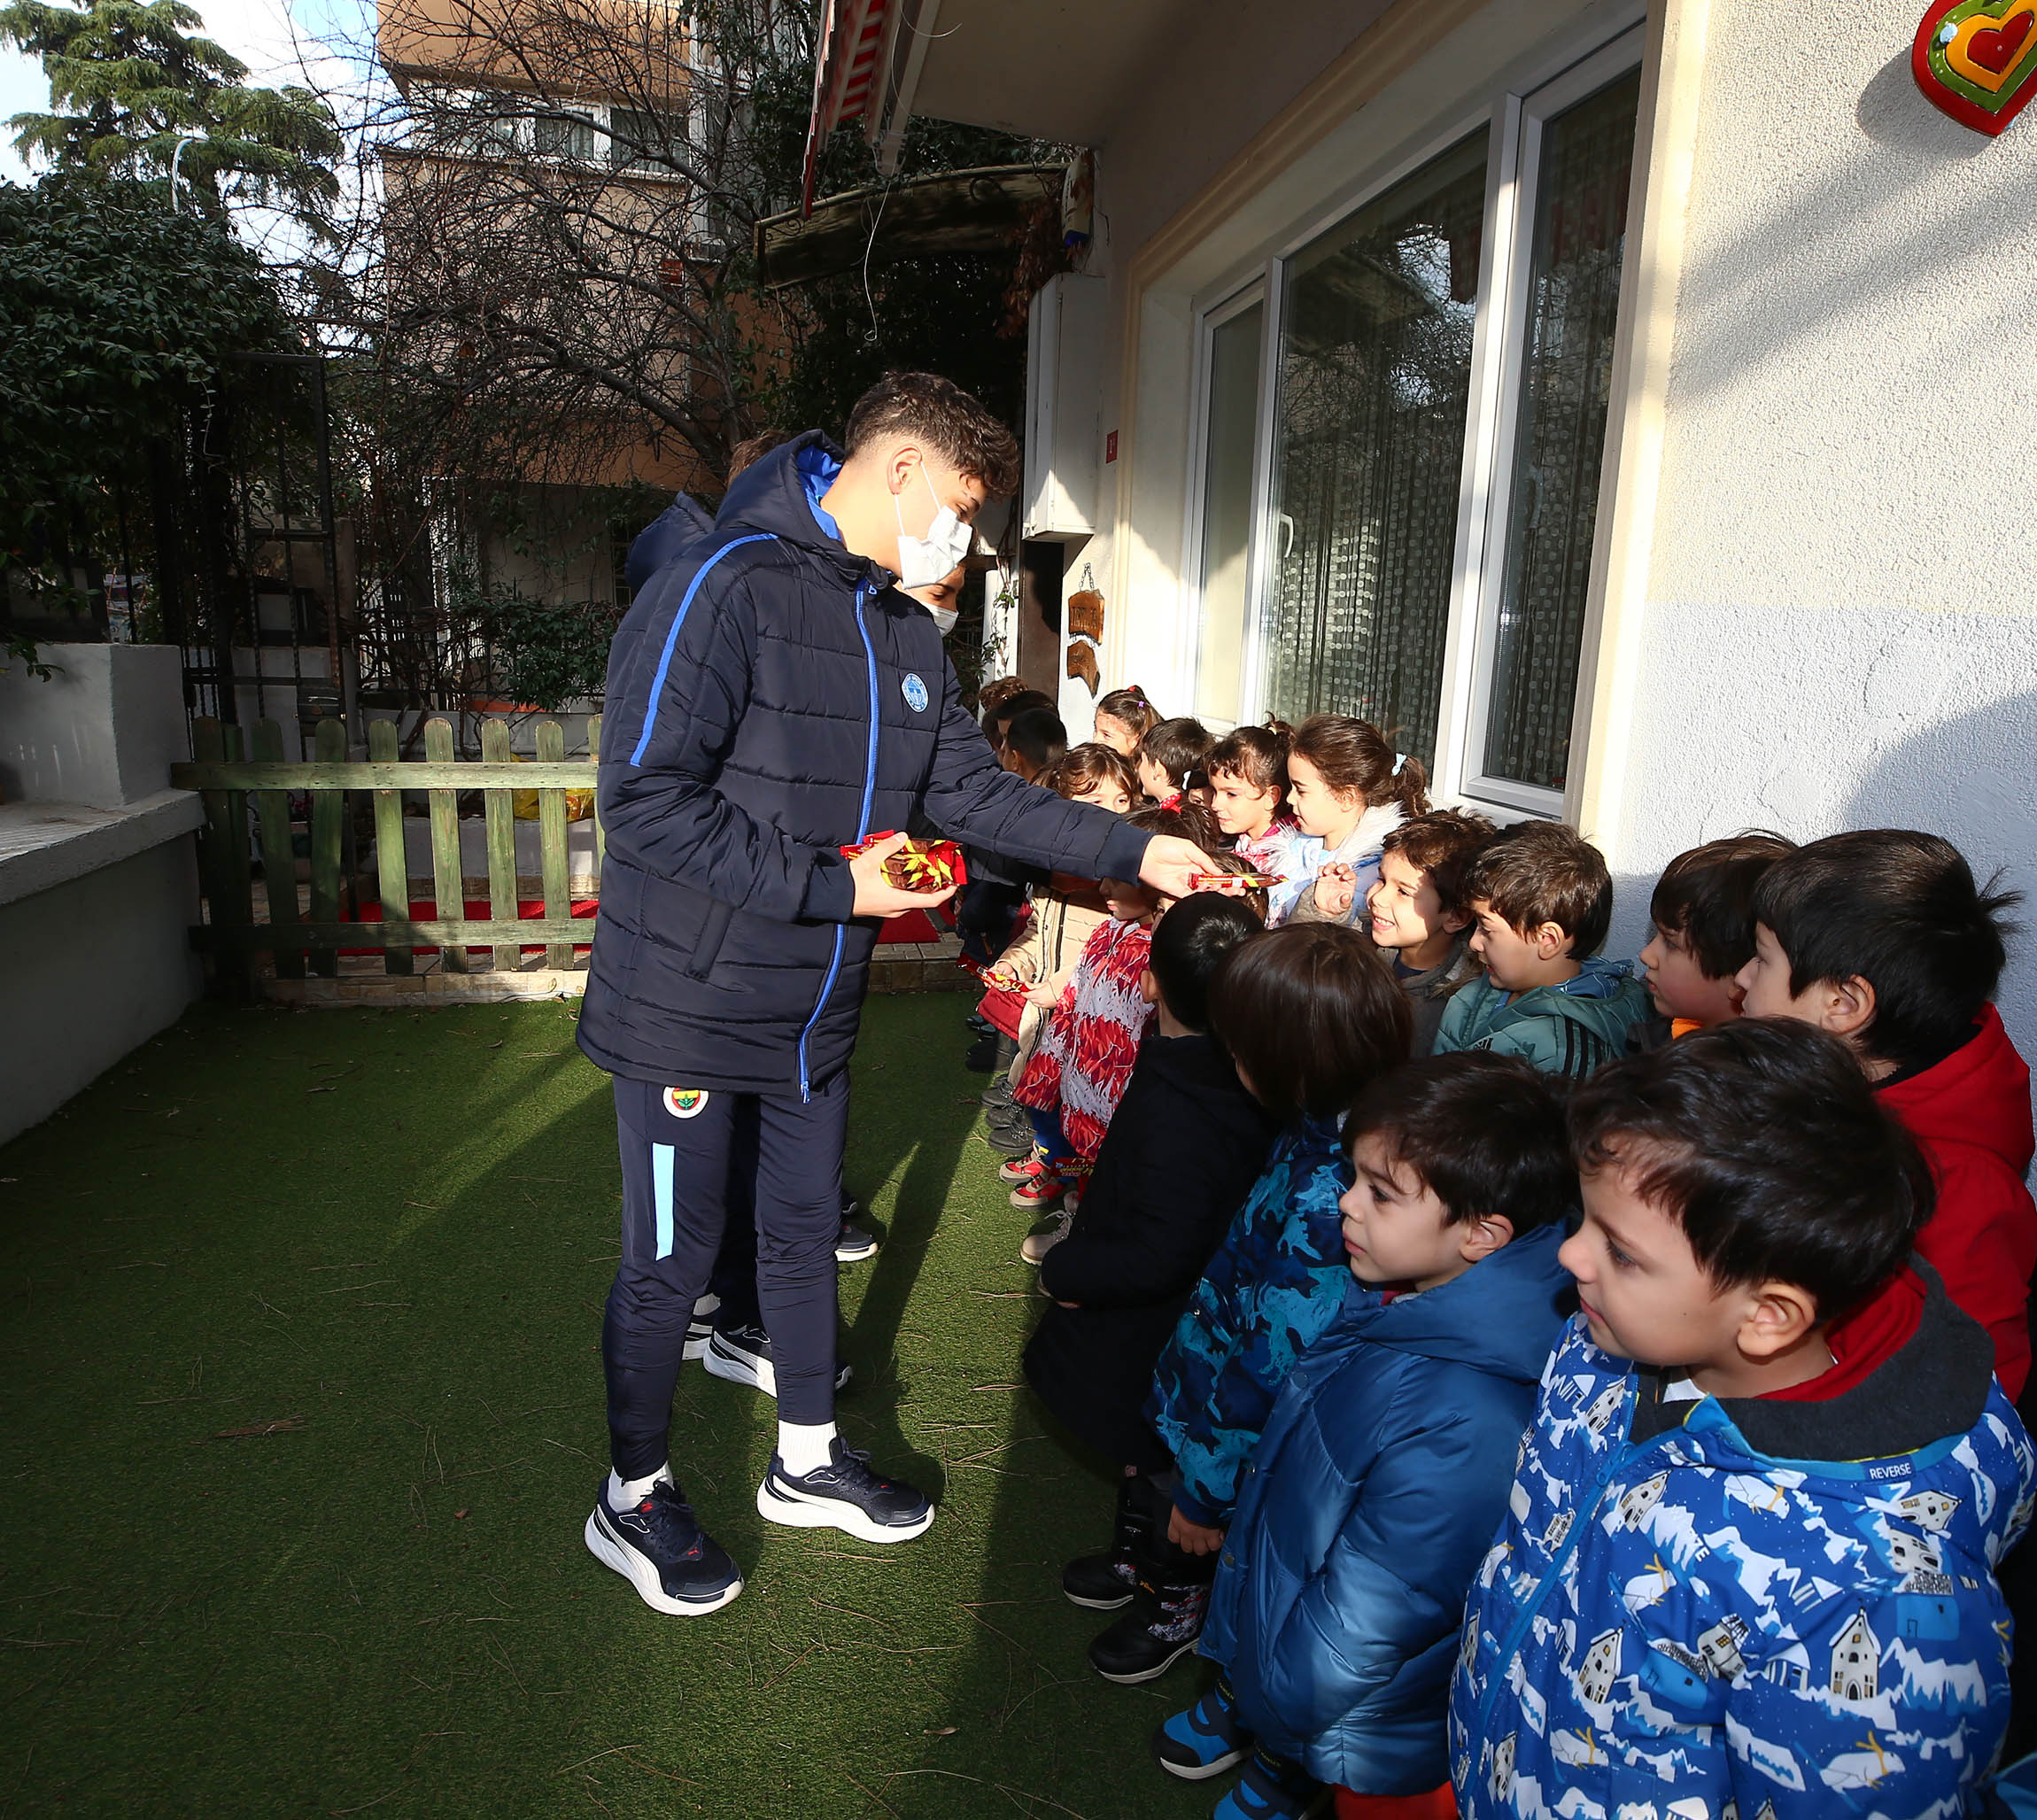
1882, 937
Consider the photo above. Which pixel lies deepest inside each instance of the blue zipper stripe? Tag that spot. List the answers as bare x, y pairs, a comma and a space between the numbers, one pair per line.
861, 831
672, 638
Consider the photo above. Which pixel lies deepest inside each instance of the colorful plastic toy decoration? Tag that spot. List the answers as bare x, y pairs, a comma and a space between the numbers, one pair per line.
1977, 60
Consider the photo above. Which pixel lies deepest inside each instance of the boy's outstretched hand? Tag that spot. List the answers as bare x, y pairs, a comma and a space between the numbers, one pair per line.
1336, 887
1196, 1538
1171, 865
874, 896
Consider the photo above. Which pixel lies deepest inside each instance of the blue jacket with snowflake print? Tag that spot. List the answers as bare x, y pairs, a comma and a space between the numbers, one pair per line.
1765, 1609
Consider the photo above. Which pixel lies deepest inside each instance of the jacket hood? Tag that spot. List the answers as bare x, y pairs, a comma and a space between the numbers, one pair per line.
1373, 826
1502, 1316
779, 494
1458, 968
1597, 998
1979, 1094
1194, 1065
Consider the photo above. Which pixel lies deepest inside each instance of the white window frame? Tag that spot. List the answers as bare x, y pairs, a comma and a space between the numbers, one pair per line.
1188, 657
1515, 119
1487, 500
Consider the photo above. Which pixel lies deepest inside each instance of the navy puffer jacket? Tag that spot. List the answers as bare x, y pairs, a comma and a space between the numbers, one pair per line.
1373, 1495
771, 699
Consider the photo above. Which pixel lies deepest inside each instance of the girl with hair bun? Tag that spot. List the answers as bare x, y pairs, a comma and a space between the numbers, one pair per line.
1349, 790
1124, 718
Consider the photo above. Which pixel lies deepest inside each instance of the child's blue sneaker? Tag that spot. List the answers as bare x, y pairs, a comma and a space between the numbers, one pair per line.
1270, 1788
1204, 1741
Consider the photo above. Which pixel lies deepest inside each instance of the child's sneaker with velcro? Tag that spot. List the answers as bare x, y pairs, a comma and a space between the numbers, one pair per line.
1206, 1740
846, 1495
661, 1550
1271, 1788
1021, 1168
1040, 1192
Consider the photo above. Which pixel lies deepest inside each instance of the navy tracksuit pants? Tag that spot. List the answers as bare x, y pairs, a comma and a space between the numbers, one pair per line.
682, 1150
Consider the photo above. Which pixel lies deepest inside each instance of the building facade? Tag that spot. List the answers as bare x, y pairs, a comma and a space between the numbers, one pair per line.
1618, 404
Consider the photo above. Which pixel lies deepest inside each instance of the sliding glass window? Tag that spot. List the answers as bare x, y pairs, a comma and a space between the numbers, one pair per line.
1441, 359
1369, 453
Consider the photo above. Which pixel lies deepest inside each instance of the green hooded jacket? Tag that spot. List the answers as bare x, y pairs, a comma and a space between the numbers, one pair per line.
1567, 1029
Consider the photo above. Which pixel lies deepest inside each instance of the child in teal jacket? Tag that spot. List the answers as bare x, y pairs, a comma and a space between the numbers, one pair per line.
1543, 900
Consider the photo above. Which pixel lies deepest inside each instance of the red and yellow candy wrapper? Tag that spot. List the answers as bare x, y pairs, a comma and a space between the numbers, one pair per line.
1249, 881
919, 865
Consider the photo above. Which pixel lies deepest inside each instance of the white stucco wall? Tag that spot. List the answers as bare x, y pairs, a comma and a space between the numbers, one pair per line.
1841, 623
90, 970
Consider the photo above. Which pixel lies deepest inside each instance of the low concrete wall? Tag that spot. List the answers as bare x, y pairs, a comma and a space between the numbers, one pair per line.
98, 873
90, 969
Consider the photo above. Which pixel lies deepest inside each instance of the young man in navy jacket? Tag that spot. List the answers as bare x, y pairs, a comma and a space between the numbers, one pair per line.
772, 697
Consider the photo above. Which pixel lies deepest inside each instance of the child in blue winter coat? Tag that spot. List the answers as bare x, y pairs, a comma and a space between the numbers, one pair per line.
1541, 901
1748, 1562
1310, 1016
1384, 1466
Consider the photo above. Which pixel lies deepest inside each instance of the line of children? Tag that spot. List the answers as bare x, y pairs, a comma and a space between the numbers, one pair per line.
1746, 1555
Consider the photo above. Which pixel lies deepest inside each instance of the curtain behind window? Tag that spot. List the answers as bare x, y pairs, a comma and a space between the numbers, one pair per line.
1559, 432
1375, 377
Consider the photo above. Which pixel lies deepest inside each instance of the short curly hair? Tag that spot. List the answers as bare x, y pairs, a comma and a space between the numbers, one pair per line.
958, 427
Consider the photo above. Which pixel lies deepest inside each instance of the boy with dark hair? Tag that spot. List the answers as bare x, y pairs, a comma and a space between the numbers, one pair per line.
774, 699
1703, 912
1882, 938
1418, 912
1035, 740
1748, 1559
1383, 1469
1172, 757
1541, 901
1182, 1152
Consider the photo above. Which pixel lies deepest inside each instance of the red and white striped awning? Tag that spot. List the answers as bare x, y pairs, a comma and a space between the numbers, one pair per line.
848, 73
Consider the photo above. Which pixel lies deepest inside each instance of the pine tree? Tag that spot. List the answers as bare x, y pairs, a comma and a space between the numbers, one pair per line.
129, 81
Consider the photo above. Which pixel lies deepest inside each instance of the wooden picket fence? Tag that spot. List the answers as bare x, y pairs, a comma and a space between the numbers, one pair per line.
310, 941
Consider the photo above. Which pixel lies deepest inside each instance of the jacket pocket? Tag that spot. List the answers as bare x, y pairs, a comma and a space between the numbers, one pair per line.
707, 945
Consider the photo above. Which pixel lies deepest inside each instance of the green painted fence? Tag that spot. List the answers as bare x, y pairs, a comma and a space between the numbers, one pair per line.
235, 785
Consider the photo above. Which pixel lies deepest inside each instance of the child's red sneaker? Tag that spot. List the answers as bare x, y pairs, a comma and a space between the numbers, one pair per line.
1042, 1192
1021, 1168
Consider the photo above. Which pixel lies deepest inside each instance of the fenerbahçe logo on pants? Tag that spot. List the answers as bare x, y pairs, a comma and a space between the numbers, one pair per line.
686, 1102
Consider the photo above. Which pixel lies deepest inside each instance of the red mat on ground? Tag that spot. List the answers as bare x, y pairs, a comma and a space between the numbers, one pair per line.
914, 926
425, 911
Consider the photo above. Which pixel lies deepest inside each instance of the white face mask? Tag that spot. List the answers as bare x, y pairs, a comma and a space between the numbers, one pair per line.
945, 617
923, 560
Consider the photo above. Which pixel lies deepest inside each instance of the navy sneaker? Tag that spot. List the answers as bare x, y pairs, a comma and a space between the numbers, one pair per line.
853, 1243
1204, 1741
1271, 1788
741, 1353
658, 1547
844, 1495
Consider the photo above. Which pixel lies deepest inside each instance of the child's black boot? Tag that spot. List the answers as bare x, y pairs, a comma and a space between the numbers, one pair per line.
1162, 1626
1106, 1582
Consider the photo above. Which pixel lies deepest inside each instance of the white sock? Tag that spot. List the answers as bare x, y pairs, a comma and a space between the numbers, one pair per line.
627, 1494
804, 1448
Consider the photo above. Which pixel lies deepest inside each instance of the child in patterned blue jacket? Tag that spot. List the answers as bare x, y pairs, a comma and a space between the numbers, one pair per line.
1310, 1015
1749, 1566
1384, 1467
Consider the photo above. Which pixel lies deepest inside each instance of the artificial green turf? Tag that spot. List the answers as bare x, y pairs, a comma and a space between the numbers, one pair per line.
395, 1229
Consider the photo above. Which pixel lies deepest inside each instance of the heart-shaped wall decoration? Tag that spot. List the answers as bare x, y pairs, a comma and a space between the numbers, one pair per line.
1977, 60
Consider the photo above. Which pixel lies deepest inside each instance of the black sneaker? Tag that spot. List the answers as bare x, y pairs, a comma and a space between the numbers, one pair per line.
982, 1056
844, 1495
979, 1023
853, 1244
998, 1093
658, 1547
1099, 1582
742, 1355
1160, 1629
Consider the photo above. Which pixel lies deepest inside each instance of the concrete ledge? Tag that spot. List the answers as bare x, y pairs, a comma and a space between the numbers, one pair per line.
46, 844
